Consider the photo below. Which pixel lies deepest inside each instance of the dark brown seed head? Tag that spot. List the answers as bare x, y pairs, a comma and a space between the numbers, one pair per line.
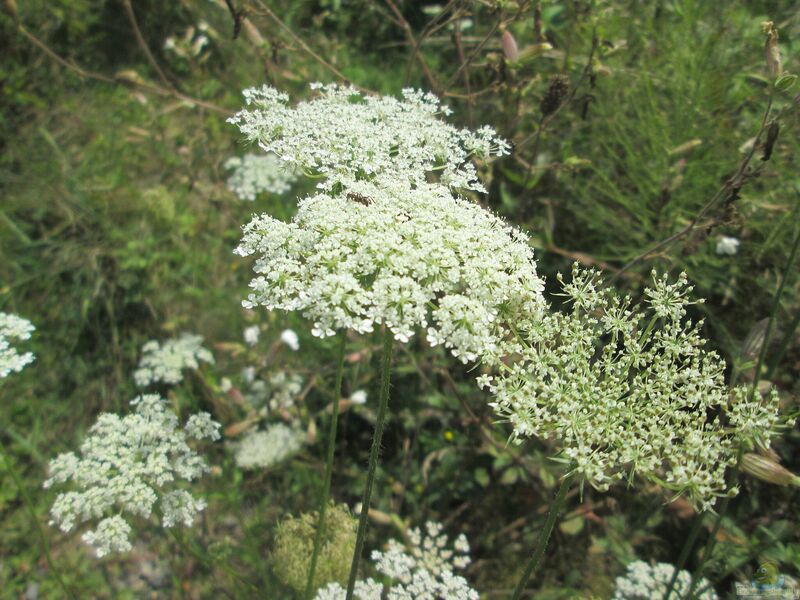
556, 93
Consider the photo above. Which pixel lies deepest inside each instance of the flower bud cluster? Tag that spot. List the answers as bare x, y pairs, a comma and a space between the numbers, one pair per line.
629, 391
129, 465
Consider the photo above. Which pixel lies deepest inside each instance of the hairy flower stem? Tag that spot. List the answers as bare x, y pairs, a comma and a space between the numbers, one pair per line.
544, 536
386, 363
326, 485
35, 519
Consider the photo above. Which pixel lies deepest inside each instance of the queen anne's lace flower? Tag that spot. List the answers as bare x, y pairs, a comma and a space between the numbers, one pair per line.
384, 253
628, 391
255, 173
126, 465
423, 570
262, 449
13, 327
346, 137
164, 362
643, 582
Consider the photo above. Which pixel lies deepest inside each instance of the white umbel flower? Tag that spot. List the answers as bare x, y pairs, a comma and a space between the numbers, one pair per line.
629, 391
409, 258
127, 465
643, 581
164, 362
256, 173
13, 327
345, 137
266, 448
423, 570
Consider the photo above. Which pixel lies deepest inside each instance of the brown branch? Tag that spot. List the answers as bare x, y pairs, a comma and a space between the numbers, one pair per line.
731, 186
406, 26
147, 86
297, 40
143, 45
62, 61
462, 58
464, 64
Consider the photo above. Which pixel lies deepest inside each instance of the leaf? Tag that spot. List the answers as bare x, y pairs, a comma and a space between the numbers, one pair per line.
572, 526
482, 477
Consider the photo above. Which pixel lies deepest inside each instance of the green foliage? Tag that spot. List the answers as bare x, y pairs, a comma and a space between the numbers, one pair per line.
116, 227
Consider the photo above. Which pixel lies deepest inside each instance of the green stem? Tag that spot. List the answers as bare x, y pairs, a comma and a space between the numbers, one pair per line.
207, 560
544, 536
776, 301
386, 363
32, 510
326, 485
684, 556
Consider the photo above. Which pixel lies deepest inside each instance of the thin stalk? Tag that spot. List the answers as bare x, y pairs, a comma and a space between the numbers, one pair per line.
326, 485
544, 536
776, 301
684, 556
38, 526
386, 363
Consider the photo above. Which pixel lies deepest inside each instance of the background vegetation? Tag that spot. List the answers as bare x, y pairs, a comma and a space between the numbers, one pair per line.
116, 227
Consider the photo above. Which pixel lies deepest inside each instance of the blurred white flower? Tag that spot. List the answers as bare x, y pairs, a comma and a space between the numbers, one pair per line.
255, 173
262, 449
251, 335
13, 327
290, 338
358, 397
126, 465
163, 362
728, 245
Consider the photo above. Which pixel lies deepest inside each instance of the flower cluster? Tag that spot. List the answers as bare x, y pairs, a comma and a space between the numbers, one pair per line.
409, 258
262, 449
13, 327
127, 465
628, 390
164, 362
643, 581
424, 569
254, 173
346, 137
